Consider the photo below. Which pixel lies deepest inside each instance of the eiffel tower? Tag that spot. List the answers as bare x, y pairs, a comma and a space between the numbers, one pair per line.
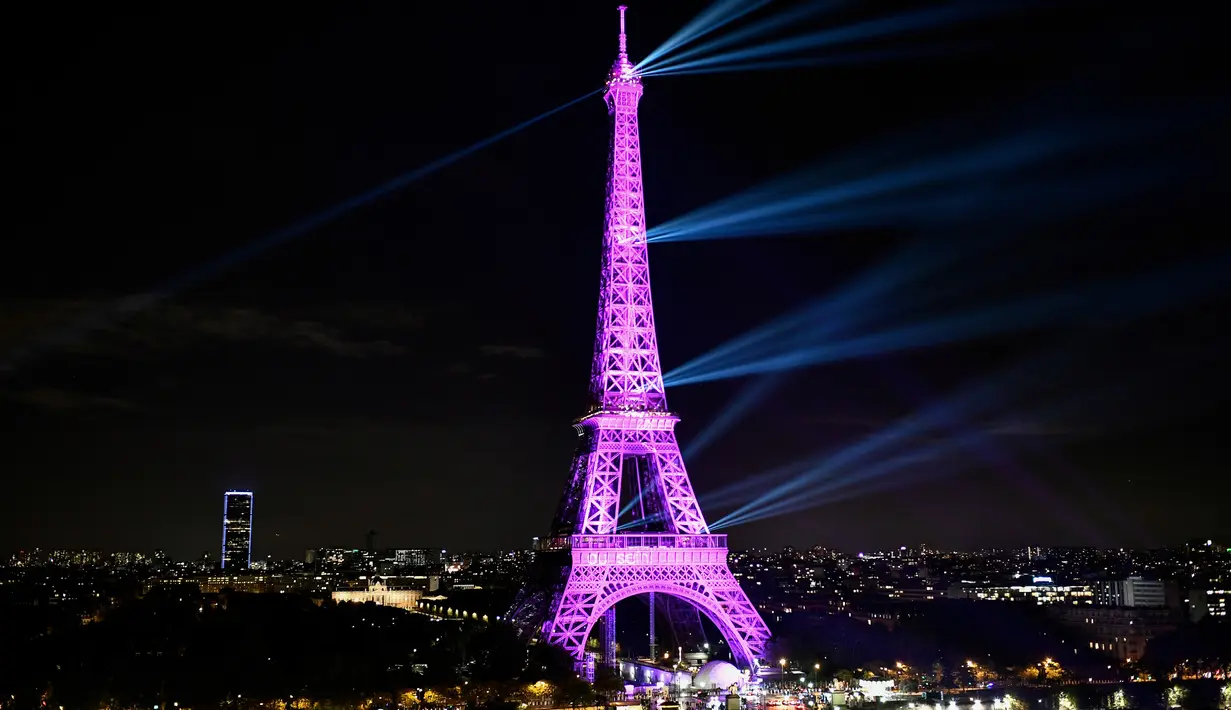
591, 560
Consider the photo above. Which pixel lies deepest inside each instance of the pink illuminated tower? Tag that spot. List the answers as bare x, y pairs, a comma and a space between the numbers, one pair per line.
603, 550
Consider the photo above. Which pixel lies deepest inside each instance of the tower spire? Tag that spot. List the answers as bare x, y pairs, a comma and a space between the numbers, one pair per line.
623, 37
626, 373
623, 71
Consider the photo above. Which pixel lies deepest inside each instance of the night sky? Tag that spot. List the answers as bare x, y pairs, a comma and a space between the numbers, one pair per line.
413, 366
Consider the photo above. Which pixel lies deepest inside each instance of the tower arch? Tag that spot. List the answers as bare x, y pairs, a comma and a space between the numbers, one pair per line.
746, 644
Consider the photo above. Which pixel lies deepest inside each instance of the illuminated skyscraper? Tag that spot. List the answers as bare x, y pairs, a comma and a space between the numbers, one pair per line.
237, 530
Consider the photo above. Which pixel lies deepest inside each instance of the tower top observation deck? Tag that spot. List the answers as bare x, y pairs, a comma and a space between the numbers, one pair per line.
623, 72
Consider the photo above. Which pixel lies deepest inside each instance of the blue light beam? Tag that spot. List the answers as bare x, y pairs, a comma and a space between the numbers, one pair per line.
872, 479
130, 305
747, 399
711, 19
920, 258
762, 28
871, 29
280, 236
953, 207
817, 484
968, 402
955, 184
1123, 299
728, 495
806, 62
858, 305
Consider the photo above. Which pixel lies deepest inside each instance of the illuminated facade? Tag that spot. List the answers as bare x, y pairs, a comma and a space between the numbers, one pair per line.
1131, 592
380, 594
1041, 590
1121, 632
592, 560
1217, 602
418, 558
1209, 602
237, 530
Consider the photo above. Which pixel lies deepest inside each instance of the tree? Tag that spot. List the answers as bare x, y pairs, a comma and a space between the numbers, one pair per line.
497, 653
607, 682
573, 692
537, 691
550, 663
443, 695
1046, 670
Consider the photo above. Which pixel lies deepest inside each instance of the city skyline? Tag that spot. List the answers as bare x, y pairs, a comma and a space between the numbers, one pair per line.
1035, 621
413, 366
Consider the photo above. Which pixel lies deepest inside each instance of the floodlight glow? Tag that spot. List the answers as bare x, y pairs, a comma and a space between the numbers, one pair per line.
1119, 299
342, 208
987, 166
969, 401
802, 62
658, 58
731, 494
875, 476
745, 401
809, 199
865, 465
976, 400
959, 206
870, 29
712, 18
858, 306
871, 478
739, 491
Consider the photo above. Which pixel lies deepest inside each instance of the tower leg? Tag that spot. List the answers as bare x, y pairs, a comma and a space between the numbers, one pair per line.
653, 635
609, 637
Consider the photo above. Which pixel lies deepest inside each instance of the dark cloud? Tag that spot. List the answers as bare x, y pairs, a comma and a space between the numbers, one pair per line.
521, 352
53, 399
1039, 428
348, 330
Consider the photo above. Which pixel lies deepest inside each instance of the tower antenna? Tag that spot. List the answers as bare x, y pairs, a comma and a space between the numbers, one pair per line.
623, 38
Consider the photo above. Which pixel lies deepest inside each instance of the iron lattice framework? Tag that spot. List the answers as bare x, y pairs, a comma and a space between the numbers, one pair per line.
588, 565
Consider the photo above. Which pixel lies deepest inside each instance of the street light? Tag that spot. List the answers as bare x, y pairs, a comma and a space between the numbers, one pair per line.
782, 669
816, 673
